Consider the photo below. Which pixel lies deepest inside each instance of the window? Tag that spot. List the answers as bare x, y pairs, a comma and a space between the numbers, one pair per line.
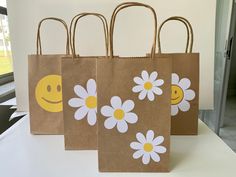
5, 45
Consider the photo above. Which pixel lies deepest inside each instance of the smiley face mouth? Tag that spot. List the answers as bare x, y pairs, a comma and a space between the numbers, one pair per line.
52, 102
175, 98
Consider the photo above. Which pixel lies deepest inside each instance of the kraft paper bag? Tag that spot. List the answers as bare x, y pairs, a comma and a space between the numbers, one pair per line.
45, 95
80, 95
185, 84
133, 109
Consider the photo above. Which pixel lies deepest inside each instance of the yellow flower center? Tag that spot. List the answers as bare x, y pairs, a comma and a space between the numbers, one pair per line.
91, 102
177, 94
148, 147
119, 114
148, 85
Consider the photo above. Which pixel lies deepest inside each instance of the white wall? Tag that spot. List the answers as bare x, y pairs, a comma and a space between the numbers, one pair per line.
133, 35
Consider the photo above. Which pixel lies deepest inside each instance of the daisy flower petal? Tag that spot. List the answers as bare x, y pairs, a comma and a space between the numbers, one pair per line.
189, 95
128, 105
138, 154
174, 110
131, 117
155, 157
160, 149
153, 76
92, 117
110, 123
149, 136
142, 94
116, 102
146, 159
184, 83
107, 111
122, 126
81, 113
76, 102
138, 80
184, 106
158, 82
91, 87
136, 145
150, 95
137, 88
174, 79
158, 140
80, 91
141, 138
157, 90
145, 75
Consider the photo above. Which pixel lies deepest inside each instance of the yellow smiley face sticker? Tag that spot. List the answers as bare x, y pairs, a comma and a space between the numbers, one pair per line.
48, 93
177, 94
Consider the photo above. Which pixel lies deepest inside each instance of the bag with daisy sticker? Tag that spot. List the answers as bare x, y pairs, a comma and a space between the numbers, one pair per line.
185, 84
80, 94
133, 109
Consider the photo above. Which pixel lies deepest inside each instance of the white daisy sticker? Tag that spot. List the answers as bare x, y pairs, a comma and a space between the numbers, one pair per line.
180, 94
148, 147
148, 85
119, 114
86, 103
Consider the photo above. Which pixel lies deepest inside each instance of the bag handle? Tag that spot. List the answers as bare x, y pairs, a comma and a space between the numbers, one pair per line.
38, 41
113, 18
189, 33
73, 26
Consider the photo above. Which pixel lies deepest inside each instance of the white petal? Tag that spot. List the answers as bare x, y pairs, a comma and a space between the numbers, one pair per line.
137, 88
81, 113
149, 136
138, 154
158, 140
153, 76
76, 102
155, 157
184, 83
138, 80
122, 126
189, 95
91, 87
141, 138
142, 94
110, 123
174, 78
128, 105
107, 111
150, 95
160, 149
158, 82
174, 110
131, 117
80, 91
92, 117
157, 90
184, 105
116, 102
136, 145
145, 75
146, 158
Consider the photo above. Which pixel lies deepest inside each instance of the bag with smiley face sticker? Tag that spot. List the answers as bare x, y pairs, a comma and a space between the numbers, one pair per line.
133, 108
45, 91
185, 84
80, 93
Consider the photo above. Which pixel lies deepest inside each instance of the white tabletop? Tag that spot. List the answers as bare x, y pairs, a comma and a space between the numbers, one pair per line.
26, 155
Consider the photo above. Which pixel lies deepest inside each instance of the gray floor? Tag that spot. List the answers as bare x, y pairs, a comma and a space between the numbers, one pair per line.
228, 131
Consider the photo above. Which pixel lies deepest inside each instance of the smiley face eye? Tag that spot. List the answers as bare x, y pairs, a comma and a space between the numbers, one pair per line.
175, 91
49, 88
58, 88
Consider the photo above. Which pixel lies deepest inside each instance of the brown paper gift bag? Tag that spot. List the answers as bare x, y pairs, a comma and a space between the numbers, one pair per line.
185, 84
80, 95
133, 109
45, 97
